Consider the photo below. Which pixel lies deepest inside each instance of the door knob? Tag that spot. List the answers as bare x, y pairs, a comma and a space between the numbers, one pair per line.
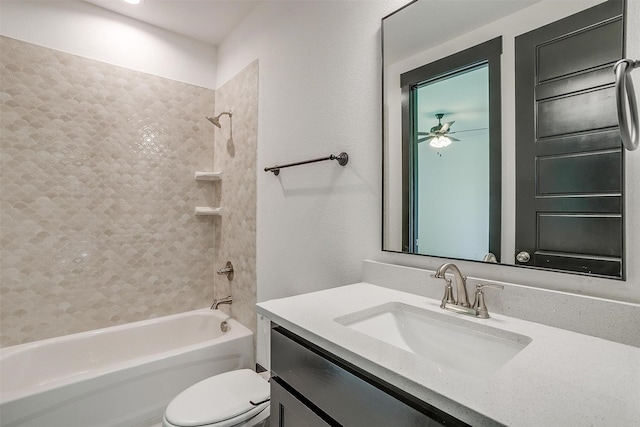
523, 256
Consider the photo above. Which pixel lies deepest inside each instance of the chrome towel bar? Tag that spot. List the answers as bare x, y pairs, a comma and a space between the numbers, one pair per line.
342, 158
625, 95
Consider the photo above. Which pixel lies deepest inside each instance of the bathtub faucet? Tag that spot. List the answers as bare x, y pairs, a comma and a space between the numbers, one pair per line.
217, 302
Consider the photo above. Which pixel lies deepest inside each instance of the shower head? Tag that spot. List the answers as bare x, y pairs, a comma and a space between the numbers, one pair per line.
216, 120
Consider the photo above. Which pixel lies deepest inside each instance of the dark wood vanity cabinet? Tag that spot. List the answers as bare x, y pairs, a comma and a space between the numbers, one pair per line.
288, 410
311, 387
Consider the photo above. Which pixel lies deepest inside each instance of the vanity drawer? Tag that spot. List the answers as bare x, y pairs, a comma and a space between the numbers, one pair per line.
288, 411
344, 393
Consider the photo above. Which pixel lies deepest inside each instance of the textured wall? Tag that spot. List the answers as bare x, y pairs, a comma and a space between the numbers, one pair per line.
235, 157
98, 194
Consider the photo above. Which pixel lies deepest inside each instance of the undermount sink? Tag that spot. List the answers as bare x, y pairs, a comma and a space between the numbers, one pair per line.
469, 347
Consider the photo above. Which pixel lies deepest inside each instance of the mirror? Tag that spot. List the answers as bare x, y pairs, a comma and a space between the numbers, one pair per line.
417, 175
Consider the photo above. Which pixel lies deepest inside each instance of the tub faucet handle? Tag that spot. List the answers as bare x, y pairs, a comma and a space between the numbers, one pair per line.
227, 270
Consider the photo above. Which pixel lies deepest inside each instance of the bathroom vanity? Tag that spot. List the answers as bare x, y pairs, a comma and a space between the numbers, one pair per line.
313, 387
368, 355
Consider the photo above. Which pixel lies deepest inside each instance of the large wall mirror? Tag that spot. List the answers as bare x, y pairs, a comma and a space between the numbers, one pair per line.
499, 133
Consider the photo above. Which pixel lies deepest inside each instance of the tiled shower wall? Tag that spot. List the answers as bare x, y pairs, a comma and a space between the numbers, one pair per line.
235, 157
98, 194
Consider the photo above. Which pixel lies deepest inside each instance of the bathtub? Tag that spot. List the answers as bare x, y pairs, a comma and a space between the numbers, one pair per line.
118, 376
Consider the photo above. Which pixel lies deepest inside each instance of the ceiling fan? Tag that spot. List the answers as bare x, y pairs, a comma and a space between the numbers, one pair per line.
439, 135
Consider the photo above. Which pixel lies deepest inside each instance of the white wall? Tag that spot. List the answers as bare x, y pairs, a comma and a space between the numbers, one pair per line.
86, 30
320, 93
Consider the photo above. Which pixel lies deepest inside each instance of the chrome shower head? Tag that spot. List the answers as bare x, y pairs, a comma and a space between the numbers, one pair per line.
216, 120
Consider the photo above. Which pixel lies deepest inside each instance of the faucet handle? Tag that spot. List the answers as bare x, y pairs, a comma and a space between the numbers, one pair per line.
481, 286
448, 294
478, 303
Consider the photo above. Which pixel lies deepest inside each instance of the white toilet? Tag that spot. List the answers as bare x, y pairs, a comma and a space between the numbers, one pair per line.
231, 399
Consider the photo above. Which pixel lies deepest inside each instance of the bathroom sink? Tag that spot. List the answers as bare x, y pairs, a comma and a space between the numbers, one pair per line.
466, 346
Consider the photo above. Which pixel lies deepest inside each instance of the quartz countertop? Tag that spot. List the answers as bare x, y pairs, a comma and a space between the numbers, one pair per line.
560, 378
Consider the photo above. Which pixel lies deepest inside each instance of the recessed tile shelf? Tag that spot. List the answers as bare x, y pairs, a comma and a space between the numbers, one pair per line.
208, 176
208, 211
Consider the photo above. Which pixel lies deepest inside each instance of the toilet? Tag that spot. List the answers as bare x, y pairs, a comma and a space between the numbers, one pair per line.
231, 399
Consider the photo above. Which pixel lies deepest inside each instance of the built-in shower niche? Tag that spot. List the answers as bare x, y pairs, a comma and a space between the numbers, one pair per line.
208, 210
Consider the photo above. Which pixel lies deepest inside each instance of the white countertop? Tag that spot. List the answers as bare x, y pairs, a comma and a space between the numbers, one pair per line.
561, 378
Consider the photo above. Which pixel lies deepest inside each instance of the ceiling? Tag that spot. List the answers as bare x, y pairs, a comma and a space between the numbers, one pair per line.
208, 21
426, 24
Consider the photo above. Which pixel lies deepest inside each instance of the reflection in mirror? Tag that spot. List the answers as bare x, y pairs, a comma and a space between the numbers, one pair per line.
568, 148
449, 174
448, 193
419, 193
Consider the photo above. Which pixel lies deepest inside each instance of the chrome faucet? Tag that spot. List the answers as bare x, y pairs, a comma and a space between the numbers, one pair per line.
460, 303
461, 299
217, 302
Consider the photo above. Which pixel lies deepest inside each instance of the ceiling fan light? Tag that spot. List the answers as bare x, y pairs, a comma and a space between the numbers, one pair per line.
435, 142
439, 142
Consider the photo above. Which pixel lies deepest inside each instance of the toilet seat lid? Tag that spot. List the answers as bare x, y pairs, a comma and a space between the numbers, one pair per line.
218, 398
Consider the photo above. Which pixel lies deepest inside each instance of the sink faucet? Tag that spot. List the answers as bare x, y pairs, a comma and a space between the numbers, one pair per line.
461, 299
460, 303
217, 302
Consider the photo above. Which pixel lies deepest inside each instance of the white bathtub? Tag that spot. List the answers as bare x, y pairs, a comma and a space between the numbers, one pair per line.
119, 376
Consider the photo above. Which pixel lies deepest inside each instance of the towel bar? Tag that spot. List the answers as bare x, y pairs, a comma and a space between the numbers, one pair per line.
342, 158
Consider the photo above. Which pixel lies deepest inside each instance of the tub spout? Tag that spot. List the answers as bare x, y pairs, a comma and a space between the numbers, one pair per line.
217, 302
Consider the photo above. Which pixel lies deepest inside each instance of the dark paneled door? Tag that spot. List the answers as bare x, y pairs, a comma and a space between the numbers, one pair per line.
569, 161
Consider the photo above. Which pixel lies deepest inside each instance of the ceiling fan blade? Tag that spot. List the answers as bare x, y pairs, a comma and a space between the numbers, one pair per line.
423, 139
445, 127
469, 130
452, 138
